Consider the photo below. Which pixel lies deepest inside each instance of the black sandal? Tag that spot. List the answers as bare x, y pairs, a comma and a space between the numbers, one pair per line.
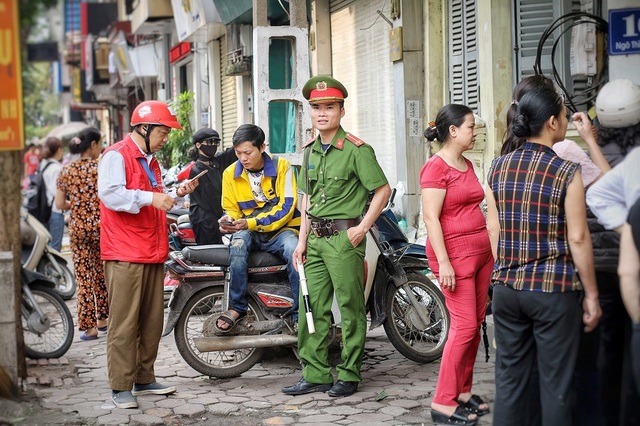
473, 406
230, 320
459, 417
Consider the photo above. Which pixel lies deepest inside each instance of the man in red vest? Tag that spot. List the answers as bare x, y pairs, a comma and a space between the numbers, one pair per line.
134, 245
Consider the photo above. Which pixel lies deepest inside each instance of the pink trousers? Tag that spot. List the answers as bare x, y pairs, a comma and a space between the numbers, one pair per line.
467, 305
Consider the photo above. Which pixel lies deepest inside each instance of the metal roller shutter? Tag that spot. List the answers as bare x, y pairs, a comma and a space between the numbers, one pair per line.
229, 99
360, 60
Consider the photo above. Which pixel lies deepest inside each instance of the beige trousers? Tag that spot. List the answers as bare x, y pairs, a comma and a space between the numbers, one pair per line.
136, 315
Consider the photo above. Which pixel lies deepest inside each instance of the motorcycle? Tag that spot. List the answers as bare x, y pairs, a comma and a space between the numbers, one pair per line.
180, 229
38, 256
47, 323
399, 296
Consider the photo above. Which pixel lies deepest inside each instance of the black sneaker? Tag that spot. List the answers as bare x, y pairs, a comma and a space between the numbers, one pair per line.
154, 388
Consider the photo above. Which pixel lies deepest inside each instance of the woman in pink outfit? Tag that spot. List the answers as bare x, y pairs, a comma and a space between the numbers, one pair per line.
459, 253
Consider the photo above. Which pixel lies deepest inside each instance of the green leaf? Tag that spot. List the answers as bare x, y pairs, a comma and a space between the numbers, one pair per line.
177, 147
382, 395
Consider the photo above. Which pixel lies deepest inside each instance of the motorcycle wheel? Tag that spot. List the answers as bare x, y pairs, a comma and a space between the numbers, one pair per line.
65, 282
413, 339
221, 364
49, 336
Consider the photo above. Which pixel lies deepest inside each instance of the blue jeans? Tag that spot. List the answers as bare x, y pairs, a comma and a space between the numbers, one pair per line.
56, 229
243, 242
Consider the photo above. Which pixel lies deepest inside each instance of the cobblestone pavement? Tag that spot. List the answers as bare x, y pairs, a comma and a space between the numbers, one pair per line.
74, 390
394, 391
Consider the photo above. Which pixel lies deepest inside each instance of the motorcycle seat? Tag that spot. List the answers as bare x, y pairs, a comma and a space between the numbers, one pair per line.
218, 254
183, 219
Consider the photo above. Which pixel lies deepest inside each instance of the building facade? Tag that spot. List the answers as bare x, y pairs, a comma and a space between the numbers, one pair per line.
401, 61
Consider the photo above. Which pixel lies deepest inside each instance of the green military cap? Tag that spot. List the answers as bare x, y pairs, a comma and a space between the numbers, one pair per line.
324, 89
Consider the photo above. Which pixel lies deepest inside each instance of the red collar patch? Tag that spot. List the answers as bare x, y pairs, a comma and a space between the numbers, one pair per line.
339, 143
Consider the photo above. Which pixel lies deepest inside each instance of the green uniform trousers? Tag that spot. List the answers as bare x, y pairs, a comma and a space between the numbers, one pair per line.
333, 265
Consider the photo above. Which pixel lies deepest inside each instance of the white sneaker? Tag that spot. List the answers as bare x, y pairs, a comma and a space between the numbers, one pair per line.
154, 388
124, 399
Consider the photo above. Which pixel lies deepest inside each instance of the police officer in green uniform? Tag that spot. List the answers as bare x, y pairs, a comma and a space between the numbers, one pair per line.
338, 172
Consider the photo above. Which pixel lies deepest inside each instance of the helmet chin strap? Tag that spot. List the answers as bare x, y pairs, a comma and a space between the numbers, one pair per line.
146, 136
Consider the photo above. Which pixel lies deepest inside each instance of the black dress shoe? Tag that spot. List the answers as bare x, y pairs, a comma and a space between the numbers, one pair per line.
342, 388
304, 387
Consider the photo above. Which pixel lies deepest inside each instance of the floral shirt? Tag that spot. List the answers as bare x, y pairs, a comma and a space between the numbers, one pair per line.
79, 180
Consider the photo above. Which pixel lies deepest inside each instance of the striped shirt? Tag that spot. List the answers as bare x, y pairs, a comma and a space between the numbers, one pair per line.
530, 187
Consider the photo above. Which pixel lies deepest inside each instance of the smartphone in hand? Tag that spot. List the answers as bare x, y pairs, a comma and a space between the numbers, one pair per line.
200, 174
226, 223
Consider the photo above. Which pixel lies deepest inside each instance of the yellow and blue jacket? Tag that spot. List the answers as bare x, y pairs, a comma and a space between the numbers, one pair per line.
279, 186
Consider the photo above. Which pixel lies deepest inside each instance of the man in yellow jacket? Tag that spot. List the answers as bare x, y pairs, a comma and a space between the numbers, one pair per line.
259, 198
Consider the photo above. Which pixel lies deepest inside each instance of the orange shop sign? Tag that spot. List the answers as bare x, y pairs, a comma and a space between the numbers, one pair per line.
11, 126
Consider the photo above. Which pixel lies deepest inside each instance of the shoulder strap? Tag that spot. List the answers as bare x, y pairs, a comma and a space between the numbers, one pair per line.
354, 139
145, 166
45, 167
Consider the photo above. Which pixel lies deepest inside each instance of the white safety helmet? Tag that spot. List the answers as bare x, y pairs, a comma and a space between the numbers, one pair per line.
618, 104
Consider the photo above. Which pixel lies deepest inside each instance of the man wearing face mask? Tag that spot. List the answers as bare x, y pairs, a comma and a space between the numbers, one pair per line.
205, 209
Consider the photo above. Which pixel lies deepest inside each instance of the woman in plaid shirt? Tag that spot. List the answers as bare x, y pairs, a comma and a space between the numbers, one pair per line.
540, 239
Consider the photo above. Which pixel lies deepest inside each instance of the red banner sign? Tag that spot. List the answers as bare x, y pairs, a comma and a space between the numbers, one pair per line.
11, 125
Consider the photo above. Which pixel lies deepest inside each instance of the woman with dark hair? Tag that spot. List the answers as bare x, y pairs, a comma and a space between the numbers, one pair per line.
539, 237
589, 407
78, 191
592, 168
51, 155
510, 141
459, 253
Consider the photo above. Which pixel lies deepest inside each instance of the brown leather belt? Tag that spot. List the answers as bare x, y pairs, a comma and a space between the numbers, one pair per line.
329, 227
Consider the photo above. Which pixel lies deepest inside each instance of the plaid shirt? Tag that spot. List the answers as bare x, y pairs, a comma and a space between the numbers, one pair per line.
530, 186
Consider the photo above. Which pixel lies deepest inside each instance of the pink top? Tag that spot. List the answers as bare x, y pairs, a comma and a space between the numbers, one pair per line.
571, 151
463, 224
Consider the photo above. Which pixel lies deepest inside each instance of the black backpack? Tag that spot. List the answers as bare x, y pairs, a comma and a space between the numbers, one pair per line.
37, 204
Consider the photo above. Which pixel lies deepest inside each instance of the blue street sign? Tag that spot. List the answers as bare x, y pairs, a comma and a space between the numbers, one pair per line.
624, 31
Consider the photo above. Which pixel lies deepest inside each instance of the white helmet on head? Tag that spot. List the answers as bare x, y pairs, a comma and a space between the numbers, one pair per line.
618, 104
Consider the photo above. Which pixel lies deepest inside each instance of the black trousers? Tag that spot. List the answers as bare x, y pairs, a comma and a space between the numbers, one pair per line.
540, 329
635, 353
207, 232
620, 397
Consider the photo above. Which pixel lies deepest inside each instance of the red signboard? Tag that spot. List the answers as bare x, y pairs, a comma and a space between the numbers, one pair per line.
11, 126
179, 51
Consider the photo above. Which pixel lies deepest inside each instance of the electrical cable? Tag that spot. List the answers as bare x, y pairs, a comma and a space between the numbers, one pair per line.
570, 20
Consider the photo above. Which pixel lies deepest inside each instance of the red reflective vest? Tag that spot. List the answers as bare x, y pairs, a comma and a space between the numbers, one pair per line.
141, 237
